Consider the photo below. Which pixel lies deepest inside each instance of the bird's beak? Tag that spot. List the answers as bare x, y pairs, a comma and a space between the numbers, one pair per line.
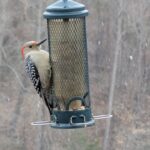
39, 43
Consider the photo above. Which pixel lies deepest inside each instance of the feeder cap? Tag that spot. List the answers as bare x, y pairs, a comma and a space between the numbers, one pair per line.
65, 9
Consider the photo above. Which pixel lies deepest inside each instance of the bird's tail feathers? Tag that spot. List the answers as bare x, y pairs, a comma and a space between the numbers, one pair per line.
45, 99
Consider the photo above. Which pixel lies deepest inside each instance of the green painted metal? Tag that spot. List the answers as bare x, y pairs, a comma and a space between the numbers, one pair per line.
66, 25
65, 9
72, 119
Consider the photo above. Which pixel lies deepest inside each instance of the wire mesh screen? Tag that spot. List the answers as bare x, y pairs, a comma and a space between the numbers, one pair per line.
69, 57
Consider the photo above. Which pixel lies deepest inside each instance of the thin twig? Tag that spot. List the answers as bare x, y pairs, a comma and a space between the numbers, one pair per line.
113, 80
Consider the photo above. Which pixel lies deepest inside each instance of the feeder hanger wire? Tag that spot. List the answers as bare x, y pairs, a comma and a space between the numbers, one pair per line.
65, 2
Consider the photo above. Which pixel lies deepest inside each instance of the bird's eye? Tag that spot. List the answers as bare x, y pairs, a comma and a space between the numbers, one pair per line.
30, 46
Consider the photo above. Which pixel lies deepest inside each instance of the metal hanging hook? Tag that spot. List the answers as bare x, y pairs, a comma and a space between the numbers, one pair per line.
65, 2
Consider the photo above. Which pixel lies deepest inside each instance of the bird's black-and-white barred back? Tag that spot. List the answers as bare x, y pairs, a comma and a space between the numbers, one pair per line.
33, 75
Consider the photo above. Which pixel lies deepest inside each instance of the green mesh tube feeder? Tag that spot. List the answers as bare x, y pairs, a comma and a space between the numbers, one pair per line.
66, 24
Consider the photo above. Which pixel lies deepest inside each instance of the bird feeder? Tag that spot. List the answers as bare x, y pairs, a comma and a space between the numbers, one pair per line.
66, 25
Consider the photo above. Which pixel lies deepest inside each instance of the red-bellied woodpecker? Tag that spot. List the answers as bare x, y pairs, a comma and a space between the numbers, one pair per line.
37, 66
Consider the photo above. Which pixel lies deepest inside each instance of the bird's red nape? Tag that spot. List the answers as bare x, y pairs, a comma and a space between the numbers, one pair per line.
22, 52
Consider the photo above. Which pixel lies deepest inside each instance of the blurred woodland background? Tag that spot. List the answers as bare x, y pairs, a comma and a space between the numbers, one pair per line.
118, 33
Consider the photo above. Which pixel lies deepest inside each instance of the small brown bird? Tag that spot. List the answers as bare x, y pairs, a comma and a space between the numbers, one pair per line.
38, 68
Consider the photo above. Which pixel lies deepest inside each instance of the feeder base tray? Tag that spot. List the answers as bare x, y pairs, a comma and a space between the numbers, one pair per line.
71, 126
72, 119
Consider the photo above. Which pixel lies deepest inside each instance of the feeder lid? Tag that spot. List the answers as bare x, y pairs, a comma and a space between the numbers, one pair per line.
65, 9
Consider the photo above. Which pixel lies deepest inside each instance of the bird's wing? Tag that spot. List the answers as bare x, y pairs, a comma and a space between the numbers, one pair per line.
33, 74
